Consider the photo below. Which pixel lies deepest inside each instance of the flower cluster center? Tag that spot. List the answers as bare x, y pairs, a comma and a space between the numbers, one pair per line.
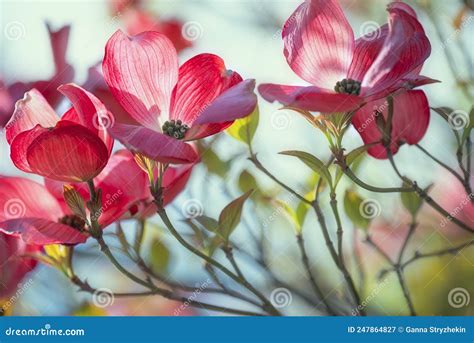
73, 221
175, 128
348, 86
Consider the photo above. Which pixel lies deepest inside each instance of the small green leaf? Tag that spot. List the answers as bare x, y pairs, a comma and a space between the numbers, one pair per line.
244, 129
291, 214
159, 255
301, 212
74, 201
230, 216
352, 206
247, 181
208, 223
411, 201
313, 162
213, 162
354, 157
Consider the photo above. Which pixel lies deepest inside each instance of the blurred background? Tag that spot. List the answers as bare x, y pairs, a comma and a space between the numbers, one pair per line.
247, 35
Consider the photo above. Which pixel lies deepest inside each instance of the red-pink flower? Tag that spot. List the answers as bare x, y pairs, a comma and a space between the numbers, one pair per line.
172, 105
29, 210
346, 74
63, 73
13, 266
40, 215
125, 188
72, 149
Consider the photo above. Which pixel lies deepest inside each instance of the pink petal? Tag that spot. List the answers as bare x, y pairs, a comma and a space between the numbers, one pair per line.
319, 42
405, 49
310, 98
89, 112
30, 111
123, 183
153, 144
410, 121
19, 199
14, 267
39, 231
201, 80
174, 181
366, 50
68, 152
141, 72
236, 102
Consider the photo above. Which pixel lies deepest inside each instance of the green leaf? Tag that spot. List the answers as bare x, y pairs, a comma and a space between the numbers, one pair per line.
301, 212
313, 162
210, 224
74, 201
230, 216
244, 129
411, 201
354, 157
352, 206
159, 256
247, 181
291, 214
213, 243
213, 162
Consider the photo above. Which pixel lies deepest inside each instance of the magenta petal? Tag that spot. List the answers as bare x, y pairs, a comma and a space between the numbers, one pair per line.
310, 98
410, 121
123, 183
141, 72
153, 144
366, 50
89, 112
30, 111
19, 199
201, 80
319, 42
405, 49
237, 102
42, 232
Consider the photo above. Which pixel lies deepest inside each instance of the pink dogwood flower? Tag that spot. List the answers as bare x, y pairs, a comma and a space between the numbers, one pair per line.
171, 105
348, 75
73, 148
